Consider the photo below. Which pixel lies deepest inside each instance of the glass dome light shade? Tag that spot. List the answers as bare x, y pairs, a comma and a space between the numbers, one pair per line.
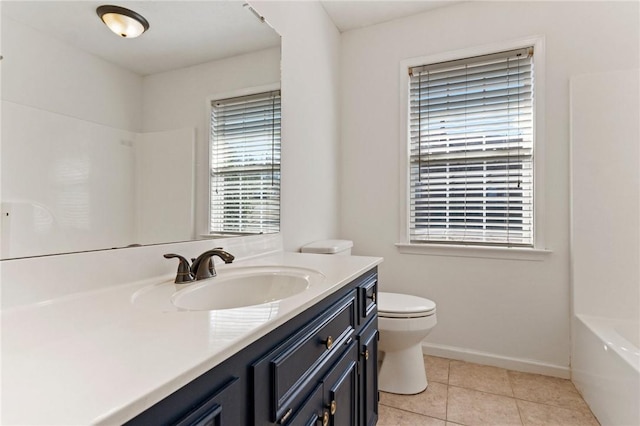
123, 22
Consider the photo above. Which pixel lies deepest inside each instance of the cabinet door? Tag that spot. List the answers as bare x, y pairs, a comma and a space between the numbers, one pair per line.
341, 389
311, 412
368, 342
210, 413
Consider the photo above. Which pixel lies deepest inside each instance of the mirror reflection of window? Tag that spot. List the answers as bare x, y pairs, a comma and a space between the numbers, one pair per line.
245, 164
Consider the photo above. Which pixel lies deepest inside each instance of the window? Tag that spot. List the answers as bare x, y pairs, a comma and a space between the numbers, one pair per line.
245, 164
471, 150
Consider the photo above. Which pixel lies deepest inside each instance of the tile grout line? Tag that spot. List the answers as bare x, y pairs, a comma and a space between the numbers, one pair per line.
514, 398
446, 407
485, 392
413, 412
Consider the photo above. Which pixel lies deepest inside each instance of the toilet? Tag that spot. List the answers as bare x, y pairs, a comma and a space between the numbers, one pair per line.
403, 322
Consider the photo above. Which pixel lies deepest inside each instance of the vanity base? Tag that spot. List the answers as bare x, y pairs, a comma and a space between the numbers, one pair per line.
320, 366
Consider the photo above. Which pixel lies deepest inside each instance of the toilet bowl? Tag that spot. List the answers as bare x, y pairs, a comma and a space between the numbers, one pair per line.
403, 322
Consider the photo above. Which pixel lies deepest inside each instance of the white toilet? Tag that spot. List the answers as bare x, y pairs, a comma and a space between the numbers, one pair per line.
403, 321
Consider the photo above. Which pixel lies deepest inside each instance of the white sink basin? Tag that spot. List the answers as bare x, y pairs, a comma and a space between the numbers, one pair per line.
244, 287
232, 288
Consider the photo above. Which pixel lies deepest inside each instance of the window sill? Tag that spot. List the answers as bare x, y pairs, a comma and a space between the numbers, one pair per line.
231, 235
486, 252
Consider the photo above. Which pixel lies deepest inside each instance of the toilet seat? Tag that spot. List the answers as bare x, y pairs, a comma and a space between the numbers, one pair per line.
394, 305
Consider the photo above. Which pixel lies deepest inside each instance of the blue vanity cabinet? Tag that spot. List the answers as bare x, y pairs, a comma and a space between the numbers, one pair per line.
367, 338
211, 413
334, 400
312, 411
294, 368
312, 370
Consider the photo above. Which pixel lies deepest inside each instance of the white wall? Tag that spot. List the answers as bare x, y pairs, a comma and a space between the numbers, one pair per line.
44, 73
164, 186
508, 312
310, 119
605, 194
179, 99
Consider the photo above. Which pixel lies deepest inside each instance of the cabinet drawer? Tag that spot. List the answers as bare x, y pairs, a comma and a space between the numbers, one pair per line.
296, 361
368, 298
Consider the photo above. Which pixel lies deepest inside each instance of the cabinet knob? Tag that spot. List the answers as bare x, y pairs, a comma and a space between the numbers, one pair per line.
329, 342
366, 354
333, 407
372, 297
325, 418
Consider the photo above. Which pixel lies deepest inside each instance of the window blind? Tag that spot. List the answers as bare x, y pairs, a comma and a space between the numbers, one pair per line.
245, 164
471, 150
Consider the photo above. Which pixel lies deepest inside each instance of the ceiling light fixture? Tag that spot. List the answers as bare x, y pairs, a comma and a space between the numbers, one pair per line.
124, 22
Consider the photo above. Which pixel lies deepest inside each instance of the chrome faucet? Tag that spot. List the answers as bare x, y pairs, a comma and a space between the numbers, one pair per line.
201, 268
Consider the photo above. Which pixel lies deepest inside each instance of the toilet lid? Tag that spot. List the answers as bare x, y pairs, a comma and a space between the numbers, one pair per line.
395, 305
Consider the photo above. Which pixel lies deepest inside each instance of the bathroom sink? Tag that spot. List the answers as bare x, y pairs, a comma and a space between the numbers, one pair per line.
245, 287
232, 288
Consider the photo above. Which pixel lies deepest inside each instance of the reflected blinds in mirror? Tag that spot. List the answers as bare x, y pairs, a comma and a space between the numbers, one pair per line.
245, 164
471, 150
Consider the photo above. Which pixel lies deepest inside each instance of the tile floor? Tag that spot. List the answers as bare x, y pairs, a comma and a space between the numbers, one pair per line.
462, 393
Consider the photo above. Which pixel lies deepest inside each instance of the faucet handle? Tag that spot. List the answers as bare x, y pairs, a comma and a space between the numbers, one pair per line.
184, 274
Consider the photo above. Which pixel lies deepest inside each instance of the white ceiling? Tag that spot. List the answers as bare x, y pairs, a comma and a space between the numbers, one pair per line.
352, 14
181, 33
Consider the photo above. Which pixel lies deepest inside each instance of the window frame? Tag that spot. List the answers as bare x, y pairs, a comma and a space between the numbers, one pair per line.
538, 250
249, 91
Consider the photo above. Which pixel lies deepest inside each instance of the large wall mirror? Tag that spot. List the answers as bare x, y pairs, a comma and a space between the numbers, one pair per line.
105, 140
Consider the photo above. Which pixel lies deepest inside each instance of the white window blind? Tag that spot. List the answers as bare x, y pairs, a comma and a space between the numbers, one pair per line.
471, 150
245, 164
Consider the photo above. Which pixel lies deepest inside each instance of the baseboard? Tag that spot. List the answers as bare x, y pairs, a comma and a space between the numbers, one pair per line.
485, 358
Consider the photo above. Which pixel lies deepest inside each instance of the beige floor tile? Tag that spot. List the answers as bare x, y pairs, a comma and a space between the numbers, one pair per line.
479, 377
470, 407
437, 369
547, 390
432, 402
534, 414
389, 416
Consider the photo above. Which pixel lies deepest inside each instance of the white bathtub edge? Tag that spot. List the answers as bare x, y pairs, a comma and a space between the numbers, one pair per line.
608, 383
494, 360
601, 327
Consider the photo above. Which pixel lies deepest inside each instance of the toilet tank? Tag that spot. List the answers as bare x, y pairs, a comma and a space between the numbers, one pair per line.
340, 247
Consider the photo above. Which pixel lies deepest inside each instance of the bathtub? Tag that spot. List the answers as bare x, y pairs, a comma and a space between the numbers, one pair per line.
605, 367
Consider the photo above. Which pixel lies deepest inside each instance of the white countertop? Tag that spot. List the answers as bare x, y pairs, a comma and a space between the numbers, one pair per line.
95, 358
